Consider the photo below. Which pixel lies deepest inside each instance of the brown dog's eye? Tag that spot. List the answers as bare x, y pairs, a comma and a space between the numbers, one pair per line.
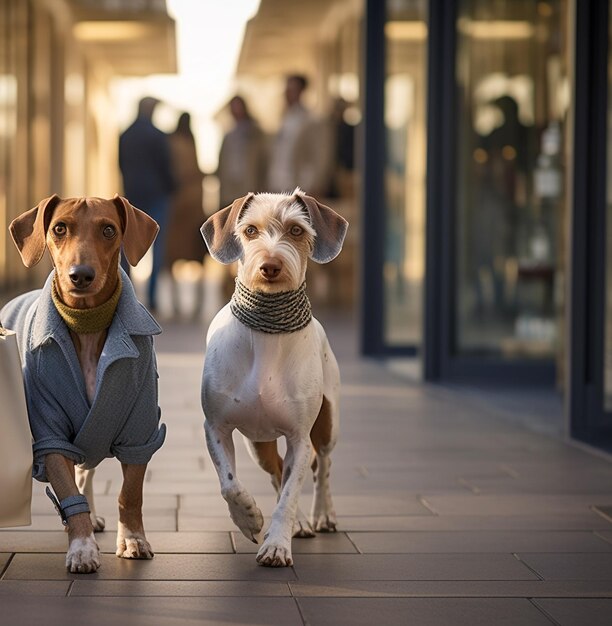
59, 229
109, 232
251, 232
296, 231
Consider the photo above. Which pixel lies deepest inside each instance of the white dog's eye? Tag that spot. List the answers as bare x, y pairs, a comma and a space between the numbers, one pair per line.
109, 232
296, 231
251, 232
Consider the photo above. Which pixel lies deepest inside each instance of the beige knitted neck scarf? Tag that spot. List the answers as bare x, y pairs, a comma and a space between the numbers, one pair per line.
87, 321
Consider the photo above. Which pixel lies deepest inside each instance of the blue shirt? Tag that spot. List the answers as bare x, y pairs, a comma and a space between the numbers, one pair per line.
123, 420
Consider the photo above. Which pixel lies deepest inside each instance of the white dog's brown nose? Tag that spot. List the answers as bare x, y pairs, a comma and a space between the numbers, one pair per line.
270, 268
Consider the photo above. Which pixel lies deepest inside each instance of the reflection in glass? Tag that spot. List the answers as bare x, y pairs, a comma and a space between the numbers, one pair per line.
405, 87
512, 91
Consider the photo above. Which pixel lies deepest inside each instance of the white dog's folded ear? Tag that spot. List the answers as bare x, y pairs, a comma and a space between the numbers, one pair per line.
29, 230
139, 230
329, 226
218, 231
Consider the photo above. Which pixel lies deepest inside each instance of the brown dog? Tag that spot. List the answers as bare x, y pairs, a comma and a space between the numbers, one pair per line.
77, 420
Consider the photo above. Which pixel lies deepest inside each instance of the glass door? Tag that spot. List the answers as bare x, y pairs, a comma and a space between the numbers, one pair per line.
511, 74
404, 170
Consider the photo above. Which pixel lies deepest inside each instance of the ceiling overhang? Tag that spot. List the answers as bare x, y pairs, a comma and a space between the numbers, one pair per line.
133, 40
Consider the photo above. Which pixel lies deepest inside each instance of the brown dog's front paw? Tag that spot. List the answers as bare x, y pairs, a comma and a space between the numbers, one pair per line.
83, 556
132, 544
134, 548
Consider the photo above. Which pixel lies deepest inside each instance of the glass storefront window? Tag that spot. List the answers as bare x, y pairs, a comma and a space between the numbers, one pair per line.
513, 97
405, 146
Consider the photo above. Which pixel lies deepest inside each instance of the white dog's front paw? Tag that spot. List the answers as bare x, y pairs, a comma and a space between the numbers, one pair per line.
83, 556
245, 513
132, 544
274, 553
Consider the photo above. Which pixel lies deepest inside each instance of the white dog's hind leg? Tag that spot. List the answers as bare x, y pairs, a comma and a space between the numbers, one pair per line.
276, 549
84, 481
242, 507
323, 436
322, 514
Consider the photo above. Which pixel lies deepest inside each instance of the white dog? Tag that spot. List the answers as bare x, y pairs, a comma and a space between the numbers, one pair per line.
269, 369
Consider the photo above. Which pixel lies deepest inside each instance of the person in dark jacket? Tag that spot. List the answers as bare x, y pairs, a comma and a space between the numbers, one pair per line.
148, 181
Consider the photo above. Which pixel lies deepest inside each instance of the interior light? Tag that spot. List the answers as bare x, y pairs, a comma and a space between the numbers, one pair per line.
110, 30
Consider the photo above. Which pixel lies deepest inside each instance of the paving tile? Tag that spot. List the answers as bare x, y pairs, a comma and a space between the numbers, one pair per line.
48, 541
162, 567
570, 566
481, 541
577, 612
4, 559
421, 611
454, 589
385, 504
332, 568
177, 543
150, 611
604, 511
585, 520
159, 588
513, 504
216, 523
323, 543
34, 588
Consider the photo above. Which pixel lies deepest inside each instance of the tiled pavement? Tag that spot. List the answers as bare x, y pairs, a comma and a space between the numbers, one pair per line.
448, 514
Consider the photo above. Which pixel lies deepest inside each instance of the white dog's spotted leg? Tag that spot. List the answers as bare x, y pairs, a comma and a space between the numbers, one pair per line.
83, 556
323, 516
84, 482
132, 544
276, 549
242, 507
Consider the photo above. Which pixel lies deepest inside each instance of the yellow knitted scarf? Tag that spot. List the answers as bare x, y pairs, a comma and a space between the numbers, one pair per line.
86, 321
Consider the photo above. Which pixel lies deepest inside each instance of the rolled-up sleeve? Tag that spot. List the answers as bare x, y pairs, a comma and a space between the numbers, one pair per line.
142, 434
51, 427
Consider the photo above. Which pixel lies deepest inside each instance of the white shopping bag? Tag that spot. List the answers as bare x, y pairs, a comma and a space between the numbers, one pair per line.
15, 438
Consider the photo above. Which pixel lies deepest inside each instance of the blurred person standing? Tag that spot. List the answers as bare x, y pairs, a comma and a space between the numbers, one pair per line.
184, 241
300, 151
148, 181
242, 157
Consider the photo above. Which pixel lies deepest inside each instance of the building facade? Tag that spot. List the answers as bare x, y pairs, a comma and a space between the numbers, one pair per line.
58, 132
484, 205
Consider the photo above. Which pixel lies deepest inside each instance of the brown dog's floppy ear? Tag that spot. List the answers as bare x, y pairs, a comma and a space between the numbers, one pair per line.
218, 231
139, 230
329, 226
29, 230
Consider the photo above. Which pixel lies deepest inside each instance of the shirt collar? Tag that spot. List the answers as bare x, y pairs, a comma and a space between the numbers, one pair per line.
134, 317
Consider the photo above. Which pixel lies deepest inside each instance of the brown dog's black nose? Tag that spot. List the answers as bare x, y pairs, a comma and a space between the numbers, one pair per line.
271, 268
81, 276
